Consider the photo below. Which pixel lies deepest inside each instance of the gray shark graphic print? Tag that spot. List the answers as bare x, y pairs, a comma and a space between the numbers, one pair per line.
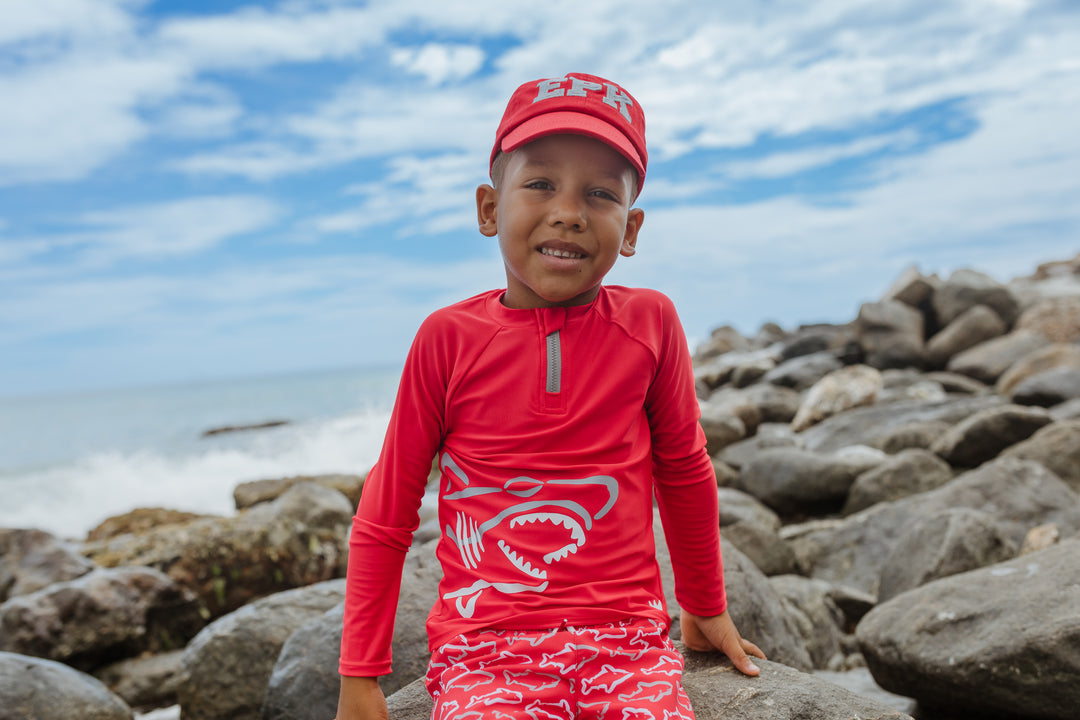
539, 524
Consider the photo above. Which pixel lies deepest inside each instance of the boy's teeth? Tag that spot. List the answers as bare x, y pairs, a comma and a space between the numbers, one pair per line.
561, 253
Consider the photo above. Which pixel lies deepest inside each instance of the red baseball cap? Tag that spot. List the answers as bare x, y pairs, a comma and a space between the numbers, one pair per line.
580, 104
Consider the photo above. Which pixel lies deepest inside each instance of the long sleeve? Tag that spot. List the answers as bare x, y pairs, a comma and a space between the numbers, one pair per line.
684, 476
388, 513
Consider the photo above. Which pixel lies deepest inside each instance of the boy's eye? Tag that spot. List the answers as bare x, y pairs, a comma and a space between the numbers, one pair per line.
605, 195
539, 185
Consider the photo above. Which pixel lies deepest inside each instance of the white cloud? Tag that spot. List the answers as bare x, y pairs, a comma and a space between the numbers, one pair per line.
438, 63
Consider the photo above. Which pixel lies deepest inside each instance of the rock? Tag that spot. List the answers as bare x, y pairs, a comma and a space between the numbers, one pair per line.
861, 425
737, 506
1000, 640
769, 435
1049, 357
987, 361
145, 682
726, 477
305, 682
922, 390
1019, 494
252, 493
955, 383
100, 617
1056, 447
719, 370
891, 333
722, 427
951, 541
859, 681
840, 390
227, 666
36, 689
723, 340
792, 481
770, 403
814, 339
1056, 318
719, 692
982, 436
906, 473
913, 288
1048, 388
749, 373
299, 539
33, 559
800, 373
1068, 410
1040, 538
762, 546
912, 436
818, 618
754, 605
731, 402
975, 325
140, 520
967, 288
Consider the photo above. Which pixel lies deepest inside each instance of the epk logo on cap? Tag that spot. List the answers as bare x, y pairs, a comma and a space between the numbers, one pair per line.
580, 104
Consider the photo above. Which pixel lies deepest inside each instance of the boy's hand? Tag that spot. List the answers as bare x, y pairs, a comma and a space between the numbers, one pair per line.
718, 633
361, 698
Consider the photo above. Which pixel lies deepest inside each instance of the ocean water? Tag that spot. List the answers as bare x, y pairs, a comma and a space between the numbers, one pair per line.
67, 462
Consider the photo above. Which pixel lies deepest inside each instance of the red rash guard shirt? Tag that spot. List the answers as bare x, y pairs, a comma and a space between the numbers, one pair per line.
554, 429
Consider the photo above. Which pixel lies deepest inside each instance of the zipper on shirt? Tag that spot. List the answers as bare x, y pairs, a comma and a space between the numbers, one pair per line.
554, 363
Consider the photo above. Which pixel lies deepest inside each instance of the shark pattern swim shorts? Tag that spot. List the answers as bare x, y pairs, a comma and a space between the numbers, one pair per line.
627, 670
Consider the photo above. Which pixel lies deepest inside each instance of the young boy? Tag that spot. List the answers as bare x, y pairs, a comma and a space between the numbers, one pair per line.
558, 409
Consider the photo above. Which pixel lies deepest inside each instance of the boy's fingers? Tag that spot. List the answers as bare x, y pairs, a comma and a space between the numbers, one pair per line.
751, 649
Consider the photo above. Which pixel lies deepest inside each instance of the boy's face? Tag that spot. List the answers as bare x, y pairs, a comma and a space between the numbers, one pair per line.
562, 215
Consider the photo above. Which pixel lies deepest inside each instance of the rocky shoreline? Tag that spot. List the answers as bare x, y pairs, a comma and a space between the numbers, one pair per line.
900, 508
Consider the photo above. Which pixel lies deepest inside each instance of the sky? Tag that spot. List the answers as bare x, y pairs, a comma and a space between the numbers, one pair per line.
193, 190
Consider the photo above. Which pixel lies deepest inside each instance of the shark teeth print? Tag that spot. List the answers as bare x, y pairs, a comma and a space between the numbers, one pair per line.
521, 564
577, 534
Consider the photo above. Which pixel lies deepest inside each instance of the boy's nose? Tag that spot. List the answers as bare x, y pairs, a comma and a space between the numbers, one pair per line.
567, 211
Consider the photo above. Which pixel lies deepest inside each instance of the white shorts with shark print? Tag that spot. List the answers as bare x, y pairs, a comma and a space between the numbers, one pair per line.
627, 670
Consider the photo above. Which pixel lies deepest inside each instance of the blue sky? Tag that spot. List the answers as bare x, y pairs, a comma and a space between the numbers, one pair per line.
207, 189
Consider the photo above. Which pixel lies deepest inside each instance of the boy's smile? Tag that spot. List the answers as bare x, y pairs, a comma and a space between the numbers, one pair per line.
562, 215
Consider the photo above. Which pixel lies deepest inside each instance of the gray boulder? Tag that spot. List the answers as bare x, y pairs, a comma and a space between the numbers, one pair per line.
800, 373
758, 403
918, 435
1056, 318
816, 614
754, 605
1049, 357
1056, 447
948, 542
1019, 494
99, 617
987, 361
906, 473
36, 689
862, 425
1048, 388
967, 288
144, 682
762, 546
792, 481
769, 435
738, 506
891, 333
304, 683
719, 692
1001, 640
840, 390
722, 427
982, 436
226, 667
33, 559
975, 325
298, 539
254, 492
912, 287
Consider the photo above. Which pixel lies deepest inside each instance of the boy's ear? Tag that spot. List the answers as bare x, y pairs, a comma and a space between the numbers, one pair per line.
633, 225
487, 202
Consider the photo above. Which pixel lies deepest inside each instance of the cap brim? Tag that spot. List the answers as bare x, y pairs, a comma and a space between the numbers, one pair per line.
555, 123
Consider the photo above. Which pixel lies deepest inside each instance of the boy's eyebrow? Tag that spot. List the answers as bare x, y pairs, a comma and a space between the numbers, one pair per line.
608, 173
